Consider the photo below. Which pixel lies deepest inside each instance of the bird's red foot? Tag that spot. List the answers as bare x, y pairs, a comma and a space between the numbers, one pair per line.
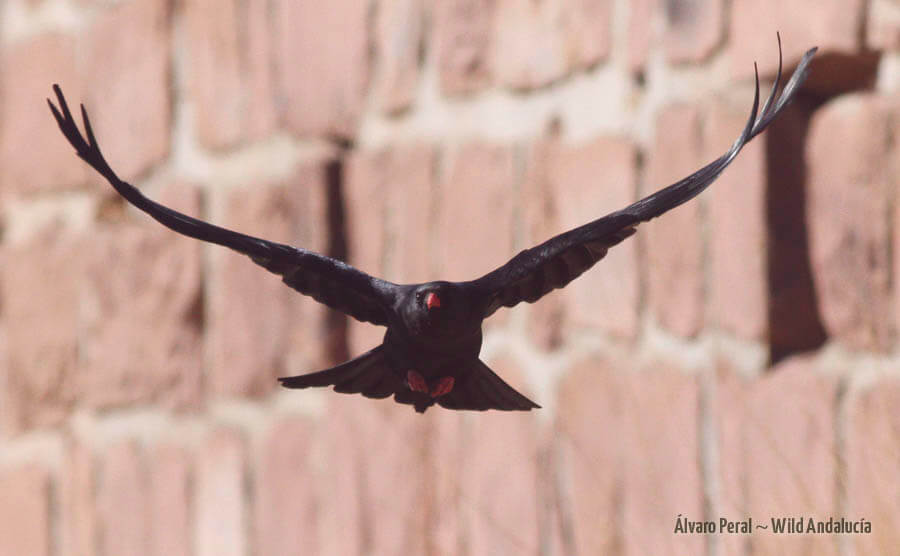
442, 387
416, 382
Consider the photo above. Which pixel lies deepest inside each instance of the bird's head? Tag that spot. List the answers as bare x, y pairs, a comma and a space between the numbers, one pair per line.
436, 309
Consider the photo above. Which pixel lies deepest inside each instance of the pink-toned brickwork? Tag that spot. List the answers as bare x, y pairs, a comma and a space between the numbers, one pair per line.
735, 358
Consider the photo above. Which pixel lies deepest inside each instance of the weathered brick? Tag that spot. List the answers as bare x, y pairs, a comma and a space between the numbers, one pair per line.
322, 65
893, 169
220, 512
641, 32
540, 222
169, 501
9, 414
529, 43
673, 242
883, 25
727, 403
286, 504
395, 526
500, 491
873, 461
588, 30
554, 516
230, 75
366, 190
661, 452
737, 238
127, 85
343, 510
849, 238
389, 221
443, 455
215, 76
24, 511
777, 452
141, 327
479, 184
27, 71
78, 524
310, 184
41, 296
463, 37
589, 181
694, 28
387, 195
832, 25
380, 445
591, 393
122, 501
538, 43
400, 34
262, 329
259, 72
248, 336
411, 194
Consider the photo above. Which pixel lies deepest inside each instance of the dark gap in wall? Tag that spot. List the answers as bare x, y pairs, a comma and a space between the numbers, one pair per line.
680, 12
196, 312
335, 322
794, 321
834, 74
640, 78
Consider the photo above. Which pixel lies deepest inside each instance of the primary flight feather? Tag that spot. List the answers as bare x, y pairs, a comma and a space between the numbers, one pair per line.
430, 350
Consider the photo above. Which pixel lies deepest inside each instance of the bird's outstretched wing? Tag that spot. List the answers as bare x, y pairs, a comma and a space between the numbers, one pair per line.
535, 272
369, 375
329, 281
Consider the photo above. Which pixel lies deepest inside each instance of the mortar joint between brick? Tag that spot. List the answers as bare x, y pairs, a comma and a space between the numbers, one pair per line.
191, 498
520, 170
708, 456
20, 21
641, 259
890, 208
840, 427
54, 518
562, 488
862, 28
248, 490
370, 105
704, 217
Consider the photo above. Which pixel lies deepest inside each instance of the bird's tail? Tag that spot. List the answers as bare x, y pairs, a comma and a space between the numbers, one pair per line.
368, 374
480, 388
477, 388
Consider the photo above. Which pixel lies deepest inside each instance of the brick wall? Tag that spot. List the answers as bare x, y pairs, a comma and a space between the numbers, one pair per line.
737, 358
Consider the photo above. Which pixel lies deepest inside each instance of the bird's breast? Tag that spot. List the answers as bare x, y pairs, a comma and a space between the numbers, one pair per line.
431, 357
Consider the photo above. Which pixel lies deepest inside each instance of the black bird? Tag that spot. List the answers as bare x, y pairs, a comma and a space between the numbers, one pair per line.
430, 350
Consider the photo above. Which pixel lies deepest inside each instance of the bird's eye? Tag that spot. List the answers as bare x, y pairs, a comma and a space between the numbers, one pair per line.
419, 296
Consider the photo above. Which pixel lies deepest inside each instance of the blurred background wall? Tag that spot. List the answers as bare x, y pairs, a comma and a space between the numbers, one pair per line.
737, 358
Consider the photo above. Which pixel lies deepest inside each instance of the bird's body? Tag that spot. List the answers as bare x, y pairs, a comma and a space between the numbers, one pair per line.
426, 357
431, 347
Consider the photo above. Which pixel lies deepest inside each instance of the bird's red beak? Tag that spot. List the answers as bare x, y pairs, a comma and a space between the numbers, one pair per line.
432, 300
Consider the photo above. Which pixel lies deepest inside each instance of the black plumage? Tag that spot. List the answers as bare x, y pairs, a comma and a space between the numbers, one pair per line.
433, 339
